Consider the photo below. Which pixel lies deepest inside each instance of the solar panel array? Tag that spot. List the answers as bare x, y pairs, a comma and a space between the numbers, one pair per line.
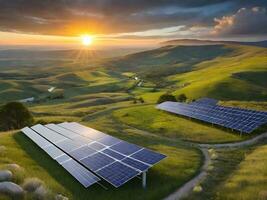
208, 101
238, 119
84, 176
107, 157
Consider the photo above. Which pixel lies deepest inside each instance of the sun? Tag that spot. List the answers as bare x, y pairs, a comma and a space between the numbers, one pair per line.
87, 40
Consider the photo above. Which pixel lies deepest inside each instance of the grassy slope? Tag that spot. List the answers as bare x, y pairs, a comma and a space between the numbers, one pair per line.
217, 78
165, 124
249, 180
226, 163
234, 73
162, 179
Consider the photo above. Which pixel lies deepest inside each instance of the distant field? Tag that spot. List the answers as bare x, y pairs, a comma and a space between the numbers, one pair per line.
172, 126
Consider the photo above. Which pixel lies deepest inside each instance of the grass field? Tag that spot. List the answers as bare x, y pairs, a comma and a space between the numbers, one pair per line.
172, 126
162, 179
249, 180
101, 95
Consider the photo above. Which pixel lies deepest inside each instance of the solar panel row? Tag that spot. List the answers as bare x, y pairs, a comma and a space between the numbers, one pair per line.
85, 177
98, 151
242, 120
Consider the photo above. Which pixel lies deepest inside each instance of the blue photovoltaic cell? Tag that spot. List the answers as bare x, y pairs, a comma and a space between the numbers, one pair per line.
47, 133
62, 131
148, 156
39, 140
82, 140
109, 140
62, 158
113, 154
83, 130
238, 119
82, 152
96, 146
97, 161
117, 173
68, 145
104, 155
136, 164
53, 151
85, 177
125, 148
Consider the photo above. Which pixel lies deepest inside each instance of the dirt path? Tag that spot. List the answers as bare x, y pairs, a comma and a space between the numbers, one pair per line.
188, 187
236, 144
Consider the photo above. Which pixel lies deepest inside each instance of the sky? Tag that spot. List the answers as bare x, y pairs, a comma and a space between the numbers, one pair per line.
130, 22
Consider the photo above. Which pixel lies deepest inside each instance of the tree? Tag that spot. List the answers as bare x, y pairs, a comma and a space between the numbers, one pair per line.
14, 115
181, 98
166, 97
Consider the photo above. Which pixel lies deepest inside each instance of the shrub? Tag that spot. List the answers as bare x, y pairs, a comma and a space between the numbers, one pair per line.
141, 100
166, 97
14, 115
181, 98
197, 188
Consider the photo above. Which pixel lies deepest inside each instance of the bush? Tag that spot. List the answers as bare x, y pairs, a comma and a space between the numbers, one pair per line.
166, 97
197, 188
141, 100
14, 115
181, 98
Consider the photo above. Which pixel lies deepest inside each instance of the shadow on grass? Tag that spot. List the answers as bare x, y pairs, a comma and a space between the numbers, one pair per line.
159, 184
50, 165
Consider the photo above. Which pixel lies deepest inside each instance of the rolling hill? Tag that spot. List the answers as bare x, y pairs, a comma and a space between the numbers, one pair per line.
105, 94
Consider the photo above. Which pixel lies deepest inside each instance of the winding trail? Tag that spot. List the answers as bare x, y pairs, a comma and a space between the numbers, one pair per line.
248, 142
188, 187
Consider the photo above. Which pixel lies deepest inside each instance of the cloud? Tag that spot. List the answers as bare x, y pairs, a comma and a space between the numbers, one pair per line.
74, 17
244, 22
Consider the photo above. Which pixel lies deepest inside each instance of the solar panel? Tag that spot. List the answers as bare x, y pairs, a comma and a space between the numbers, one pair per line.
148, 156
97, 161
53, 151
85, 177
125, 148
81, 174
242, 120
97, 146
109, 140
63, 158
206, 101
100, 154
39, 140
117, 173
113, 154
83, 130
47, 133
62, 131
82, 152
135, 164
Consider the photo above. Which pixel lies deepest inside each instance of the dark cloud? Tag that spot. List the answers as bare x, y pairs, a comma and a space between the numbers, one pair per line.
245, 22
71, 17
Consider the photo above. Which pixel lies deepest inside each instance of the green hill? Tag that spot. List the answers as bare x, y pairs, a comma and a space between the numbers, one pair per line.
227, 72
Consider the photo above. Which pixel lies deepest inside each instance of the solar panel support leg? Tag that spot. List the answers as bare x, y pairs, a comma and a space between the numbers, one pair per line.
144, 180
